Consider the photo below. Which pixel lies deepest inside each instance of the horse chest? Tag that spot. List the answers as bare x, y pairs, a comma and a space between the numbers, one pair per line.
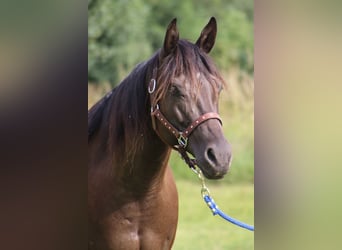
147, 223
137, 226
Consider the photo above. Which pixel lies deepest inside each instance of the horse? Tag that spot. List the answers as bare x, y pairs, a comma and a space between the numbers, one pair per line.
167, 102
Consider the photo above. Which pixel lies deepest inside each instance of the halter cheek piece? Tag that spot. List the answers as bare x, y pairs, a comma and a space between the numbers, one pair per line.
181, 136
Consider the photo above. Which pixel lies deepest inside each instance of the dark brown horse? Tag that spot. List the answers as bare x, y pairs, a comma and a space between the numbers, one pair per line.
171, 100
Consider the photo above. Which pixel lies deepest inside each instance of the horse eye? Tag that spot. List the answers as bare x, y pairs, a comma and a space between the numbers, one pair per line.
174, 90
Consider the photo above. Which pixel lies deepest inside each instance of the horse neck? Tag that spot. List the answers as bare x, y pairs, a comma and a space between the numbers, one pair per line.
146, 167
146, 171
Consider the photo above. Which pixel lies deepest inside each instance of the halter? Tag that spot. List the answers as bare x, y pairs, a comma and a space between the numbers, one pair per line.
182, 137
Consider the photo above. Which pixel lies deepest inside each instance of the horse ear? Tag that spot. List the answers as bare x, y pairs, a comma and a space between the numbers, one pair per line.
171, 38
207, 38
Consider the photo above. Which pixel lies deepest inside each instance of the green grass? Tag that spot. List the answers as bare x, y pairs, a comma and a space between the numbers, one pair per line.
199, 229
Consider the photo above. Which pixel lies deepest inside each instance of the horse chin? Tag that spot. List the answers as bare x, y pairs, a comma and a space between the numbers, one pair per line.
213, 173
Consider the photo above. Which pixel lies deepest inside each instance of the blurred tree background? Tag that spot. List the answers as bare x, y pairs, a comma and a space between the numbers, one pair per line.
123, 33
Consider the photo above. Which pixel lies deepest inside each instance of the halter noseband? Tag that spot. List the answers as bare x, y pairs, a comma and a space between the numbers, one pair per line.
181, 136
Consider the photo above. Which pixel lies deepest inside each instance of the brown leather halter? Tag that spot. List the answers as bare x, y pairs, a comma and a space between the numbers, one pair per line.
181, 136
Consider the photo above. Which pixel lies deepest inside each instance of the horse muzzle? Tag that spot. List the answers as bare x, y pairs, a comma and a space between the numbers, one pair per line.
215, 160
212, 151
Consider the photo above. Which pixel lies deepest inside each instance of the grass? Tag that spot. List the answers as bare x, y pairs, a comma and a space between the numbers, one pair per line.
199, 229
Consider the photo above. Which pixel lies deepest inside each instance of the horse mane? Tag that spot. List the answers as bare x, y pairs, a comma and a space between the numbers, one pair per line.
95, 115
124, 112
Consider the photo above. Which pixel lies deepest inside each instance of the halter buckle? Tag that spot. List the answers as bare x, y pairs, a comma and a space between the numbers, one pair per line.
182, 141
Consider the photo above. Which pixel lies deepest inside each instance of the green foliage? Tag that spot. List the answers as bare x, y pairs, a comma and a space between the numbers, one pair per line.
116, 38
123, 33
234, 46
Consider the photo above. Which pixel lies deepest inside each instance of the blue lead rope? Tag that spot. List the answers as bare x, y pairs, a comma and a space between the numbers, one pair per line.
214, 208
212, 205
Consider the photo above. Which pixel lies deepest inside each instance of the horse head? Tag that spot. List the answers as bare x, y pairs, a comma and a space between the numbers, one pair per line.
185, 95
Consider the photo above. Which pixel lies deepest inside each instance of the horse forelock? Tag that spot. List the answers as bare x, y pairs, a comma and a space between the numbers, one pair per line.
187, 60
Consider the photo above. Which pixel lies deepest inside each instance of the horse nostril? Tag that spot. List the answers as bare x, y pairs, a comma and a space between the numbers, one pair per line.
211, 156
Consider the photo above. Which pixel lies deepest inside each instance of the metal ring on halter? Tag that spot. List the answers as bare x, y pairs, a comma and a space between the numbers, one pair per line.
154, 83
157, 107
